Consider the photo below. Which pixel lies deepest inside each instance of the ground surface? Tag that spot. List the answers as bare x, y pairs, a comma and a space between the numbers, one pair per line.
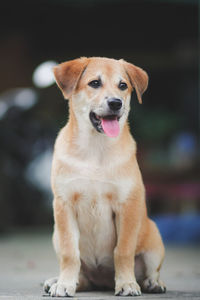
27, 259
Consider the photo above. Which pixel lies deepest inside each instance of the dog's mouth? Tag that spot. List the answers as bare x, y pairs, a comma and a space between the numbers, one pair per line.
106, 124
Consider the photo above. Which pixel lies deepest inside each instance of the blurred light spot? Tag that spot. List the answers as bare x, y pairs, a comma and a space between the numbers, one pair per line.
39, 170
43, 74
183, 150
23, 98
3, 109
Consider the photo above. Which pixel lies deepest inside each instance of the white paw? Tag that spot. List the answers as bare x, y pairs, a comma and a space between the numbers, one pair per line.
128, 289
48, 283
62, 290
153, 286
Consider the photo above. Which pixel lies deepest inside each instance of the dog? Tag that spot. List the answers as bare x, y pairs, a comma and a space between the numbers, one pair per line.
102, 236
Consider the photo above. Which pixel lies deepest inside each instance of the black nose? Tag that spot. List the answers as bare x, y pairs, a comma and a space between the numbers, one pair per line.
115, 104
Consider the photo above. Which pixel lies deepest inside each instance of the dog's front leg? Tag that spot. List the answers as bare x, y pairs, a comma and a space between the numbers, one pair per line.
66, 240
128, 219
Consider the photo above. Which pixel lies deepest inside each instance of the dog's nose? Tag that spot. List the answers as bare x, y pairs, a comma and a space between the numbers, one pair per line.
115, 104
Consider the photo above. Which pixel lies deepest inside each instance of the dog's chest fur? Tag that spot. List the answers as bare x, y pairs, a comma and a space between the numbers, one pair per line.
91, 197
94, 188
96, 227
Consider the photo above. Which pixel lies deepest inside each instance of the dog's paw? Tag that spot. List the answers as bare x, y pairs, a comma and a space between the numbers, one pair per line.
128, 289
153, 286
61, 290
48, 283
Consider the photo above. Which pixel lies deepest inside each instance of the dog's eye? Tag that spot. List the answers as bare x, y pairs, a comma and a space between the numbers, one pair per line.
95, 84
122, 86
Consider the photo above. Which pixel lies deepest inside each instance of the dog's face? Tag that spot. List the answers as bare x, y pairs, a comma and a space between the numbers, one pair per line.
100, 90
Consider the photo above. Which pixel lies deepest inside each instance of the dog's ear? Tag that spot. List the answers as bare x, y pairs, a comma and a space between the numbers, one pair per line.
137, 77
67, 75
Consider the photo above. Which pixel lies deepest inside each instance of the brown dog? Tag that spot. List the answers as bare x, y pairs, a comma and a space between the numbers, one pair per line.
103, 236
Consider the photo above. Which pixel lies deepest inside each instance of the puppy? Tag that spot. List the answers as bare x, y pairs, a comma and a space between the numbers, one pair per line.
103, 236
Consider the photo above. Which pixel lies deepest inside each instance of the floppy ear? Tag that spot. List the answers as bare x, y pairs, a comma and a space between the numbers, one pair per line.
137, 77
68, 74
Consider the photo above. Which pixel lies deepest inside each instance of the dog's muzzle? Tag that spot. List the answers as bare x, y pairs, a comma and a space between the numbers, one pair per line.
108, 123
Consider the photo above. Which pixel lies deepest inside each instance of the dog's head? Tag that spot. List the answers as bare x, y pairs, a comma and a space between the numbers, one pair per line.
100, 89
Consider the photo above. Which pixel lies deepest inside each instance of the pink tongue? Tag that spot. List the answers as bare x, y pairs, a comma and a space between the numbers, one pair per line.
110, 127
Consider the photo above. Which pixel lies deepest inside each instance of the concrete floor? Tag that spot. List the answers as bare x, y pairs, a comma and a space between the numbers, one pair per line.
27, 259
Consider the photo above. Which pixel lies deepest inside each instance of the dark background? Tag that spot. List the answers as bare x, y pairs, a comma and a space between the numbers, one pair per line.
159, 36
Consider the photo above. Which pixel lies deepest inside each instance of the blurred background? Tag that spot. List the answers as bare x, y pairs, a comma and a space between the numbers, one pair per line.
159, 36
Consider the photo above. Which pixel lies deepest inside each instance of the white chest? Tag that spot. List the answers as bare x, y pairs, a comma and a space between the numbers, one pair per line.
92, 191
97, 230
93, 182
